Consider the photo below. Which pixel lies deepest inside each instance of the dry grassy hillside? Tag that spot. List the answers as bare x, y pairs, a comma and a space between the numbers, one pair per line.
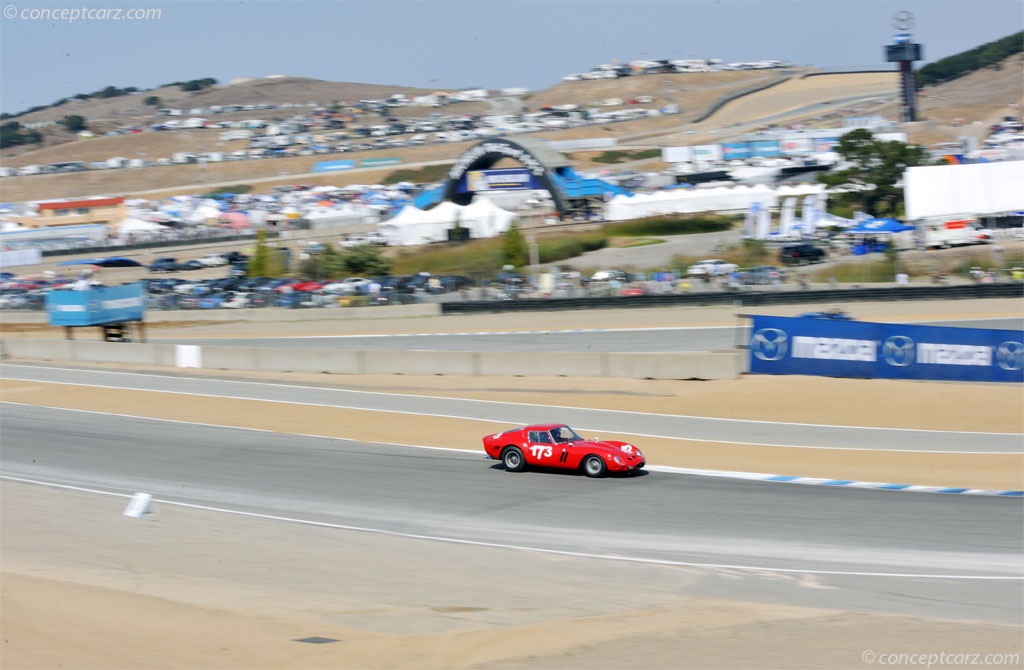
982, 96
127, 111
694, 93
277, 90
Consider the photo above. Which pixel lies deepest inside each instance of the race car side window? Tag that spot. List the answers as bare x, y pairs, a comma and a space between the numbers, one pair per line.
539, 437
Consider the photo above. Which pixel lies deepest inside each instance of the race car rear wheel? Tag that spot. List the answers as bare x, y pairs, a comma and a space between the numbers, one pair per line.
513, 459
593, 466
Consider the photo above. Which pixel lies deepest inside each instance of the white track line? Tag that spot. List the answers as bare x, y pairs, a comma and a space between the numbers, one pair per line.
470, 400
539, 550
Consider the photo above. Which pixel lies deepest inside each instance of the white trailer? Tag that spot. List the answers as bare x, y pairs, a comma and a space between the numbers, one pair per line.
943, 232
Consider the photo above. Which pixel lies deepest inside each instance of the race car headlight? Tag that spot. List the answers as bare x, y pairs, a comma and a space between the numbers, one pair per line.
618, 459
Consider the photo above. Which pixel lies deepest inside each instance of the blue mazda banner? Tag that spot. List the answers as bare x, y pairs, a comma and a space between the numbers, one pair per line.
833, 348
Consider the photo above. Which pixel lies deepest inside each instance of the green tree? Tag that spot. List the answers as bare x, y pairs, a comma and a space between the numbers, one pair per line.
12, 135
513, 248
75, 123
365, 260
196, 84
327, 264
266, 261
957, 65
152, 101
875, 172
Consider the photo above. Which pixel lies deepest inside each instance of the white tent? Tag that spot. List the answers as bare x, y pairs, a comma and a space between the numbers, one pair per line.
323, 217
702, 199
132, 225
979, 188
138, 229
485, 219
204, 214
416, 226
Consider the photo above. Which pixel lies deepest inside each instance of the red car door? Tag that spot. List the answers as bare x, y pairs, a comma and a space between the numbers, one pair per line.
541, 449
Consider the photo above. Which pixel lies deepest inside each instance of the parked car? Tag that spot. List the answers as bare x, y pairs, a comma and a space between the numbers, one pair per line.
276, 284
451, 283
609, 275
556, 445
308, 285
213, 260
713, 267
213, 300
349, 285
763, 274
371, 238
801, 254
833, 314
252, 283
240, 300
163, 265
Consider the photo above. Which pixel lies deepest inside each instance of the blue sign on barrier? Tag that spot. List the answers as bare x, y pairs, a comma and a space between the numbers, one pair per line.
765, 148
96, 306
735, 150
811, 346
377, 162
331, 166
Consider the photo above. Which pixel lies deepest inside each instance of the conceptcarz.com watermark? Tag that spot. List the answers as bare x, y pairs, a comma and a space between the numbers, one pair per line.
83, 13
938, 659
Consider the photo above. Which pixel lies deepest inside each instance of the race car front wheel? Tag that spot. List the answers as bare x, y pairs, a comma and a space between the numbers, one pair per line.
594, 466
513, 459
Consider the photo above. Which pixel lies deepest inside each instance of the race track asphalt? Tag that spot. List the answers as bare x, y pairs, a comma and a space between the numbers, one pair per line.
960, 551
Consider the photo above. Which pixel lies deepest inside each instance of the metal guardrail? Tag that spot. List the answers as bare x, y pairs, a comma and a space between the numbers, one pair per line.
161, 244
742, 298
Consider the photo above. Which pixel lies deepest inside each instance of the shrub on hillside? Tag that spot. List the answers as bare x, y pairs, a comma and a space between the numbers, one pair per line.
560, 248
672, 224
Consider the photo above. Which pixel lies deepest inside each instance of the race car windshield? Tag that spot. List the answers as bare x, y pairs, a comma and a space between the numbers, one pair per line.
564, 434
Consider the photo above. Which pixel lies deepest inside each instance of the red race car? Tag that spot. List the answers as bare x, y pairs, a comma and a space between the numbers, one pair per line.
556, 445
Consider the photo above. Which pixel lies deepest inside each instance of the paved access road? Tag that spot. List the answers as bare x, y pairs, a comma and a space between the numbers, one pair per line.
511, 414
614, 338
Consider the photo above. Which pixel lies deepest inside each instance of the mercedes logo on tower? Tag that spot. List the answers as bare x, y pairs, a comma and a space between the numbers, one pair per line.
1010, 355
769, 344
903, 20
898, 351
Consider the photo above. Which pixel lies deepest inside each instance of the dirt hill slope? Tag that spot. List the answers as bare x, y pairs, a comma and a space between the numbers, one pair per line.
980, 98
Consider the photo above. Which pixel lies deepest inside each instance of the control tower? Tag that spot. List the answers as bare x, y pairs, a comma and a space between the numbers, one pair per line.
905, 51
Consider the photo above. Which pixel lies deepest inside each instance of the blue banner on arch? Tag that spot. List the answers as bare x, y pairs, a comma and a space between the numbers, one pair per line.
835, 348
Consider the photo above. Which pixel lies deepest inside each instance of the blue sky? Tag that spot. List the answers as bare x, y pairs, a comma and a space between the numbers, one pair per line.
444, 44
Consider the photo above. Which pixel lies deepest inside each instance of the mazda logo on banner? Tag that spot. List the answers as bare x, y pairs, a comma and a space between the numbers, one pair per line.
769, 344
898, 350
1010, 355
805, 345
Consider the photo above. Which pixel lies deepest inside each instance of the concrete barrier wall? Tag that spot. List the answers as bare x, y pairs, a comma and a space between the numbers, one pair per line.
260, 315
686, 365
40, 350
161, 355
543, 364
421, 362
291, 360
